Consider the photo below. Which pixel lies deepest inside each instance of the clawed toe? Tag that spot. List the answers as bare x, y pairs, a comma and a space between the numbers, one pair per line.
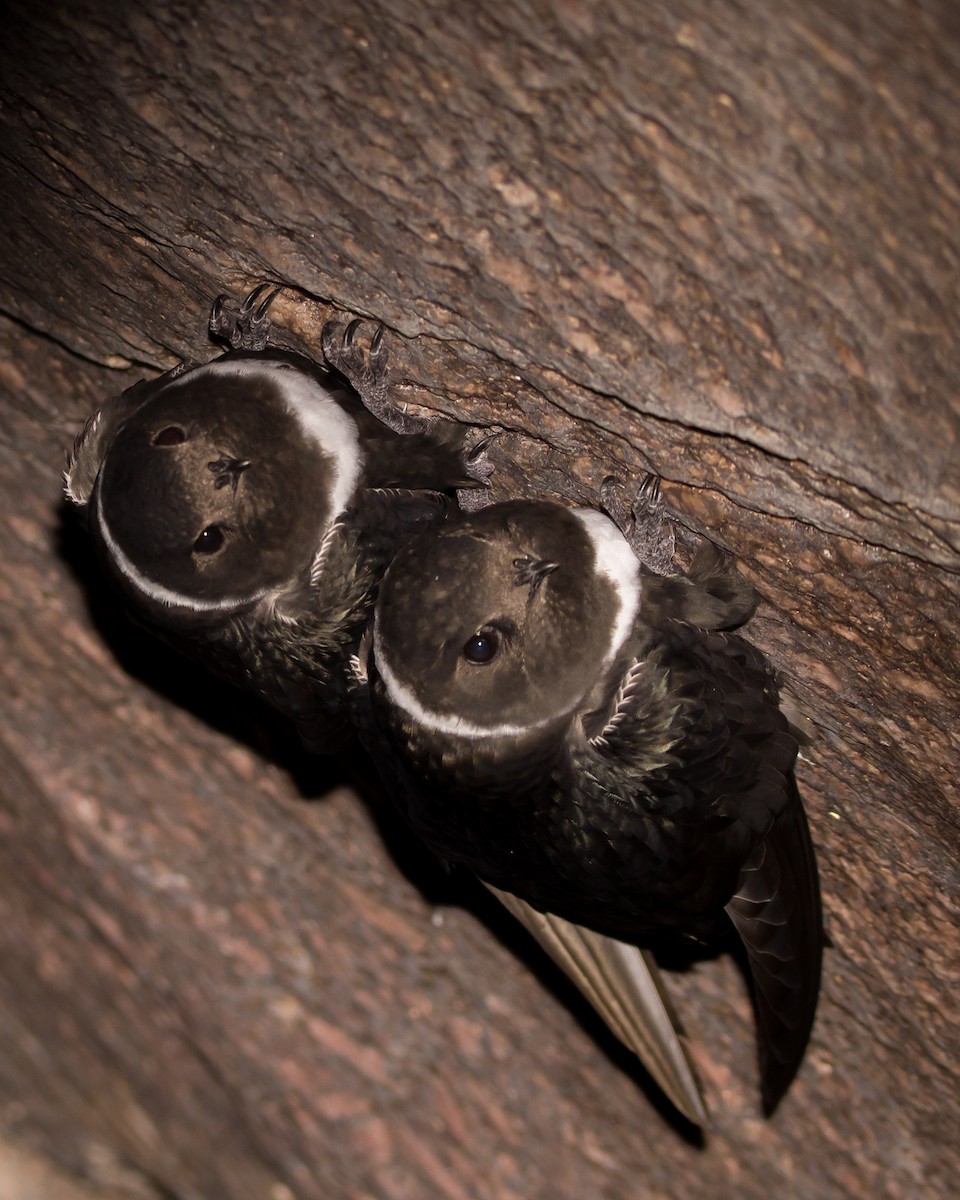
478, 460
363, 366
648, 498
362, 362
480, 467
249, 327
643, 522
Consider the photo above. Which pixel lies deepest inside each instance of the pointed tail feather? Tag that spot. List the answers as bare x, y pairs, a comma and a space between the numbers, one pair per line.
623, 984
777, 913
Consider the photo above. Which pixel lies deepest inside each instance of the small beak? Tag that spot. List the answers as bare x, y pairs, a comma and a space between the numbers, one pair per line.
228, 471
532, 572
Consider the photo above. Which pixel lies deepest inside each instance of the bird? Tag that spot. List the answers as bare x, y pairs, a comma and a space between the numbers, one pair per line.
598, 742
247, 507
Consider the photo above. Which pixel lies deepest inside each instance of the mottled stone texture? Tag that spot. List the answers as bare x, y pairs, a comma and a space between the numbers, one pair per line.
719, 239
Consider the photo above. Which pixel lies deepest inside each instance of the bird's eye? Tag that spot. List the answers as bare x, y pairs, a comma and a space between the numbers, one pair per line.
482, 648
210, 540
173, 435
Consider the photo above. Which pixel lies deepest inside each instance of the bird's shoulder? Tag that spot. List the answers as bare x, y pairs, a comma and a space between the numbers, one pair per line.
690, 728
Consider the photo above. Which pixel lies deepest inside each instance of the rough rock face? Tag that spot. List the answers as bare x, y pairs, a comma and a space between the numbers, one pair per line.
719, 242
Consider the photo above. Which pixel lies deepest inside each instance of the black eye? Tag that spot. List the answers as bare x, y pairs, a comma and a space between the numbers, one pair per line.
210, 541
173, 435
482, 647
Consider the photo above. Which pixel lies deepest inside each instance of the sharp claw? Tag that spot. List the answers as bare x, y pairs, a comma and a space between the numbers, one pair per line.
247, 328
477, 452
261, 310
648, 493
327, 340
362, 364
255, 295
642, 522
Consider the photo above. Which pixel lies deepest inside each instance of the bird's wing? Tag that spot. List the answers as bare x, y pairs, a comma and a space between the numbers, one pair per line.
734, 751
776, 911
623, 984
712, 594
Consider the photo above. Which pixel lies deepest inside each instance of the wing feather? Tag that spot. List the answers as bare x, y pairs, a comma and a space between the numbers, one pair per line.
624, 985
776, 911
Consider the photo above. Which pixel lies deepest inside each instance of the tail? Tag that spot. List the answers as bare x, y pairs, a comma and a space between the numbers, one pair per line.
777, 913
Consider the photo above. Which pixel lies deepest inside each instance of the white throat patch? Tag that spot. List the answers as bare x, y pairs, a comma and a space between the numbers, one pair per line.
615, 560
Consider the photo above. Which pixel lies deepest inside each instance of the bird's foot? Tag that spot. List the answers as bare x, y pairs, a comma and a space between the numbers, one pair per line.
249, 327
363, 364
480, 467
364, 367
643, 522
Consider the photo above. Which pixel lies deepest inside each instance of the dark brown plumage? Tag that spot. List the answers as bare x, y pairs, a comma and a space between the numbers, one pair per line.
617, 759
248, 507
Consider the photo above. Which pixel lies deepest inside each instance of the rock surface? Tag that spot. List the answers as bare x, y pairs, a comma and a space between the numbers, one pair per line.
719, 243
